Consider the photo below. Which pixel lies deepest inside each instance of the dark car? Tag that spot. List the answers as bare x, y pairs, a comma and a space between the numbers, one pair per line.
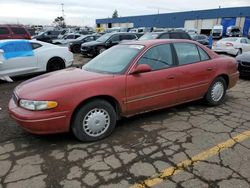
203, 39
233, 31
244, 64
75, 46
106, 41
47, 36
14, 32
166, 35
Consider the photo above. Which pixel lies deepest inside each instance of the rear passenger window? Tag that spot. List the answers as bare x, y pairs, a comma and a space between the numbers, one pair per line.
18, 30
158, 57
165, 36
187, 53
203, 54
35, 45
4, 31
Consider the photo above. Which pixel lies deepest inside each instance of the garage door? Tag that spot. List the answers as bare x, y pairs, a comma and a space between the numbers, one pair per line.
226, 22
207, 24
246, 28
190, 24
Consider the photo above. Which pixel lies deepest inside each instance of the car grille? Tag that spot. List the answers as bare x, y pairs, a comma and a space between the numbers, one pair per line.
246, 64
216, 34
15, 98
84, 48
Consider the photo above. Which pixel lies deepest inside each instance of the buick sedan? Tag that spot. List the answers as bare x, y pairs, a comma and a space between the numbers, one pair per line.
127, 79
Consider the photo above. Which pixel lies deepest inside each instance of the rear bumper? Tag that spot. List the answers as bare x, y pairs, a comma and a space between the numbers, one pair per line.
231, 50
233, 78
40, 122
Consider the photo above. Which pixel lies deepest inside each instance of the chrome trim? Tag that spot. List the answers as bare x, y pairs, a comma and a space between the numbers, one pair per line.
31, 121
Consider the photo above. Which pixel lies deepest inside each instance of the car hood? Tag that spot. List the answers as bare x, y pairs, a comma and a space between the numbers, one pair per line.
92, 43
57, 79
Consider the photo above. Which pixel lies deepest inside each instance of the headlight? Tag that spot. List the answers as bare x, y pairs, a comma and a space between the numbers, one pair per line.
37, 105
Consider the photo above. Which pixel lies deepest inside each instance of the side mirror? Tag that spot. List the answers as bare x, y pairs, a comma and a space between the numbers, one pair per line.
141, 68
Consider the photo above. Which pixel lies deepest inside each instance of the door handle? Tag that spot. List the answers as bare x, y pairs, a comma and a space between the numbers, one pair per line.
209, 69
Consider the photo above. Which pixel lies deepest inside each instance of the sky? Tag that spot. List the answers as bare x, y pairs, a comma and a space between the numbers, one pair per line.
85, 12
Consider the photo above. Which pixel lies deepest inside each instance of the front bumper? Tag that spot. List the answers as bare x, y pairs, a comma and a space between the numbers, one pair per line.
40, 122
88, 51
233, 78
244, 68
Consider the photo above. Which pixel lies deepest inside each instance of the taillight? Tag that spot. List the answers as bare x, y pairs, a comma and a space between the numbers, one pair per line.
229, 44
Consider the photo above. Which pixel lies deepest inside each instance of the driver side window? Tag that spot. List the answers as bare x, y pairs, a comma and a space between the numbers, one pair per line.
158, 57
115, 38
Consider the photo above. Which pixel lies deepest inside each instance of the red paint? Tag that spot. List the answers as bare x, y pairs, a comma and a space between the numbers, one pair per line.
135, 93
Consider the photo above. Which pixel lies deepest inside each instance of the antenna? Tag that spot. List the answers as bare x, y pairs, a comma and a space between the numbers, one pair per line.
63, 10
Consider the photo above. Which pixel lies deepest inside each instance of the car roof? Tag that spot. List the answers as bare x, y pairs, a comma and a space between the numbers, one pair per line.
157, 41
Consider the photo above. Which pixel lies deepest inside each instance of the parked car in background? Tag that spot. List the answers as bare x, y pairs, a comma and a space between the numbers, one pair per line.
203, 39
47, 36
75, 46
233, 31
166, 35
126, 80
217, 32
232, 45
66, 39
106, 41
21, 57
244, 64
14, 32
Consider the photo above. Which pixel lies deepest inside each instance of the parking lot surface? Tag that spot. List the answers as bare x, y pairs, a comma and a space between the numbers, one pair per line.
193, 145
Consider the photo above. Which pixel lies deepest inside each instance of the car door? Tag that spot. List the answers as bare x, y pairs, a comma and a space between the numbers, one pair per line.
196, 71
157, 88
114, 40
19, 58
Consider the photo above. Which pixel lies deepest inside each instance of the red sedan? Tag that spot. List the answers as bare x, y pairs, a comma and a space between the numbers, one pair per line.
128, 79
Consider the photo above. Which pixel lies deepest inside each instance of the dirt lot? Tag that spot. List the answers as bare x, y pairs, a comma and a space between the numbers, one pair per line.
169, 141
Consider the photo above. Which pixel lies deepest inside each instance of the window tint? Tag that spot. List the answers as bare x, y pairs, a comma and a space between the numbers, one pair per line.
35, 45
88, 39
186, 53
158, 57
243, 41
184, 36
165, 36
18, 30
115, 38
128, 37
203, 54
4, 31
70, 37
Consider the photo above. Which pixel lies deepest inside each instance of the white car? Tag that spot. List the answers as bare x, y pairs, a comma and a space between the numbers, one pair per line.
66, 39
18, 57
232, 45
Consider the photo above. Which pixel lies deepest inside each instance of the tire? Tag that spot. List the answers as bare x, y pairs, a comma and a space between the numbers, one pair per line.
76, 49
239, 52
101, 50
55, 64
87, 127
216, 92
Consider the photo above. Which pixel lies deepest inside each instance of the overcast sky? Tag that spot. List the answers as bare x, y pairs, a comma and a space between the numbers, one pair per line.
84, 12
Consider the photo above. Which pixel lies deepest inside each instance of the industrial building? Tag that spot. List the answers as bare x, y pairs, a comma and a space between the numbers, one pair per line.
202, 20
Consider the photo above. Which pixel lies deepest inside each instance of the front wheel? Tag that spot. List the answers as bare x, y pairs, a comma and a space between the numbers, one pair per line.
94, 121
216, 92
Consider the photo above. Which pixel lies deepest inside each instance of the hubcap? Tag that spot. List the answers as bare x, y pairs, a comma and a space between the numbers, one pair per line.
217, 91
96, 122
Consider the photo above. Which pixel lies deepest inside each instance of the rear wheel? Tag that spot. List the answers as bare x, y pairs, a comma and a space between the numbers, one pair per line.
216, 92
94, 121
55, 64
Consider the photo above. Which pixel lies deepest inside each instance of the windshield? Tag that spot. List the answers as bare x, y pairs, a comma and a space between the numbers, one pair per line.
115, 60
104, 38
149, 36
